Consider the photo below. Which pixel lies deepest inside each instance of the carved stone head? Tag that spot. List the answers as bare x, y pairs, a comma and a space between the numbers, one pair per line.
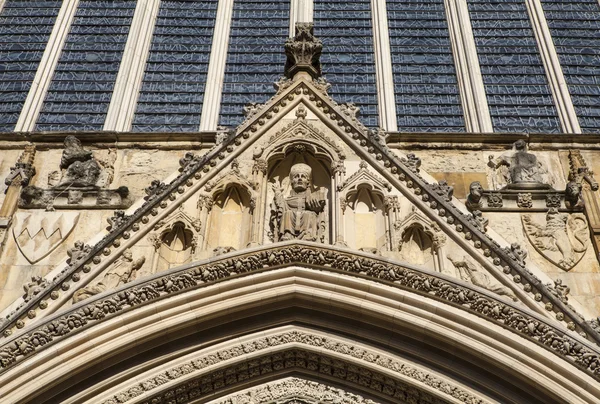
476, 189
301, 177
520, 145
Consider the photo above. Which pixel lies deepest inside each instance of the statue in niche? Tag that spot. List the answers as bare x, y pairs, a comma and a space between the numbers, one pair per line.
300, 214
81, 168
124, 270
563, 240
519, 169
468, 271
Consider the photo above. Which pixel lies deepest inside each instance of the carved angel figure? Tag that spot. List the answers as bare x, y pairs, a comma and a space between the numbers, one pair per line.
122, 272
470, 272
563, 233
299, 212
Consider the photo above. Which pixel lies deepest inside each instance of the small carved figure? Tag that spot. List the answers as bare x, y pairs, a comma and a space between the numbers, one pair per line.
470, 272
563, 240
474, 197
519, 168
122, 272
573, 198
81, 168
297, 215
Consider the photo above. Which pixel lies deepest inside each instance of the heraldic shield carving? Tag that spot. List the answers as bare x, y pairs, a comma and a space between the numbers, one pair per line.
563, 239
37, 235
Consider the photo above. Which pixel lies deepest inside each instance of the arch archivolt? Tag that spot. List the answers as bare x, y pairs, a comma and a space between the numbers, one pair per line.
160, 323
294, 388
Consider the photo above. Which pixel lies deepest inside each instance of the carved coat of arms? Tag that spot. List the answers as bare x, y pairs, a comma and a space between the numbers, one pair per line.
38, 234
563, 239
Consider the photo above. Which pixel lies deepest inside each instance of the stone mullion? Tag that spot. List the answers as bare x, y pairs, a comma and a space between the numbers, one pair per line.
2, 3
43, 77
300, 11
468, 73
386, 97
554, 74
131, 71
216, 67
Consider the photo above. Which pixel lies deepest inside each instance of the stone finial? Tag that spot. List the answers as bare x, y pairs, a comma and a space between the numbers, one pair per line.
303, 52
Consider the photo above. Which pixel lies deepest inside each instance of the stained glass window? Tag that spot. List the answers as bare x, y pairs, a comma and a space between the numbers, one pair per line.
84, 79
172, 92
25, 27
255, 58
427, 98
575, 28
515, 82
348, 60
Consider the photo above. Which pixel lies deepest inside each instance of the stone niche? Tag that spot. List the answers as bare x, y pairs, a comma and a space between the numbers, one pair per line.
230, 219
300, 187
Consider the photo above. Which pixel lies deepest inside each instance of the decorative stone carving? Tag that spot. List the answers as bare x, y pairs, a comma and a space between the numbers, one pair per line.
563, 239
303, 52
443, 189
123, 271
23, 170
299, 214
524, 200
519, 169
80, 185
476, 218
38, 234
470, 272
573, 197
295, 391
559, 290
81, 168
474, 198
222, 250
34, 287
155, 189
494, 200
318, 353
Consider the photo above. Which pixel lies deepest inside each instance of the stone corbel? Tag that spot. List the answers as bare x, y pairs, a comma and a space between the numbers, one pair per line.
517, 200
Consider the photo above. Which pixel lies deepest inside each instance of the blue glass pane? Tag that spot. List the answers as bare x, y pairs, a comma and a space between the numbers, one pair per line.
515, 82
255, 58
427, 98
25, 27
348, 61
173, 87
575, 28
84, 78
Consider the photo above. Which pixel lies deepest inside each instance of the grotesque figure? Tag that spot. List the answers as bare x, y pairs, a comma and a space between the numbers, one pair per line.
297, 214
81, 168
573, 198
524, 169
474, 197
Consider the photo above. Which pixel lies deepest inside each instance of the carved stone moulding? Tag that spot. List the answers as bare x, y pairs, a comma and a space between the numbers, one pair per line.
75, 198
534, 200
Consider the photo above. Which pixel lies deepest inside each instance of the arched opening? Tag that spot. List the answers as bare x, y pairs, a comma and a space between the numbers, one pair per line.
230, 219
176, 247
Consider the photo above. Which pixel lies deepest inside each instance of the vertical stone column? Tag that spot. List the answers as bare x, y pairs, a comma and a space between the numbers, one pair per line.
131, 71
19, 176
468, 73
554, 74
216, 67
205, 204
386, 97
43, 76
391, 208
259, 172
339, 170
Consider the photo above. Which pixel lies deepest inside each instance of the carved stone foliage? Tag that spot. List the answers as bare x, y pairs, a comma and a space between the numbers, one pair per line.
293, 388
563, 239
299, 213
471, 272
34, 287
518, 169
38, 234
547, 336
82, 183
303, 52
312, 353
122, 271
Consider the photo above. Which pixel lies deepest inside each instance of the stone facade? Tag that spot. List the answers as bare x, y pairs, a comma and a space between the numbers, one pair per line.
483, 244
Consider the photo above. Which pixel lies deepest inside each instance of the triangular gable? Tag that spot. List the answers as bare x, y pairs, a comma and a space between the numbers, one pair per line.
403, 173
